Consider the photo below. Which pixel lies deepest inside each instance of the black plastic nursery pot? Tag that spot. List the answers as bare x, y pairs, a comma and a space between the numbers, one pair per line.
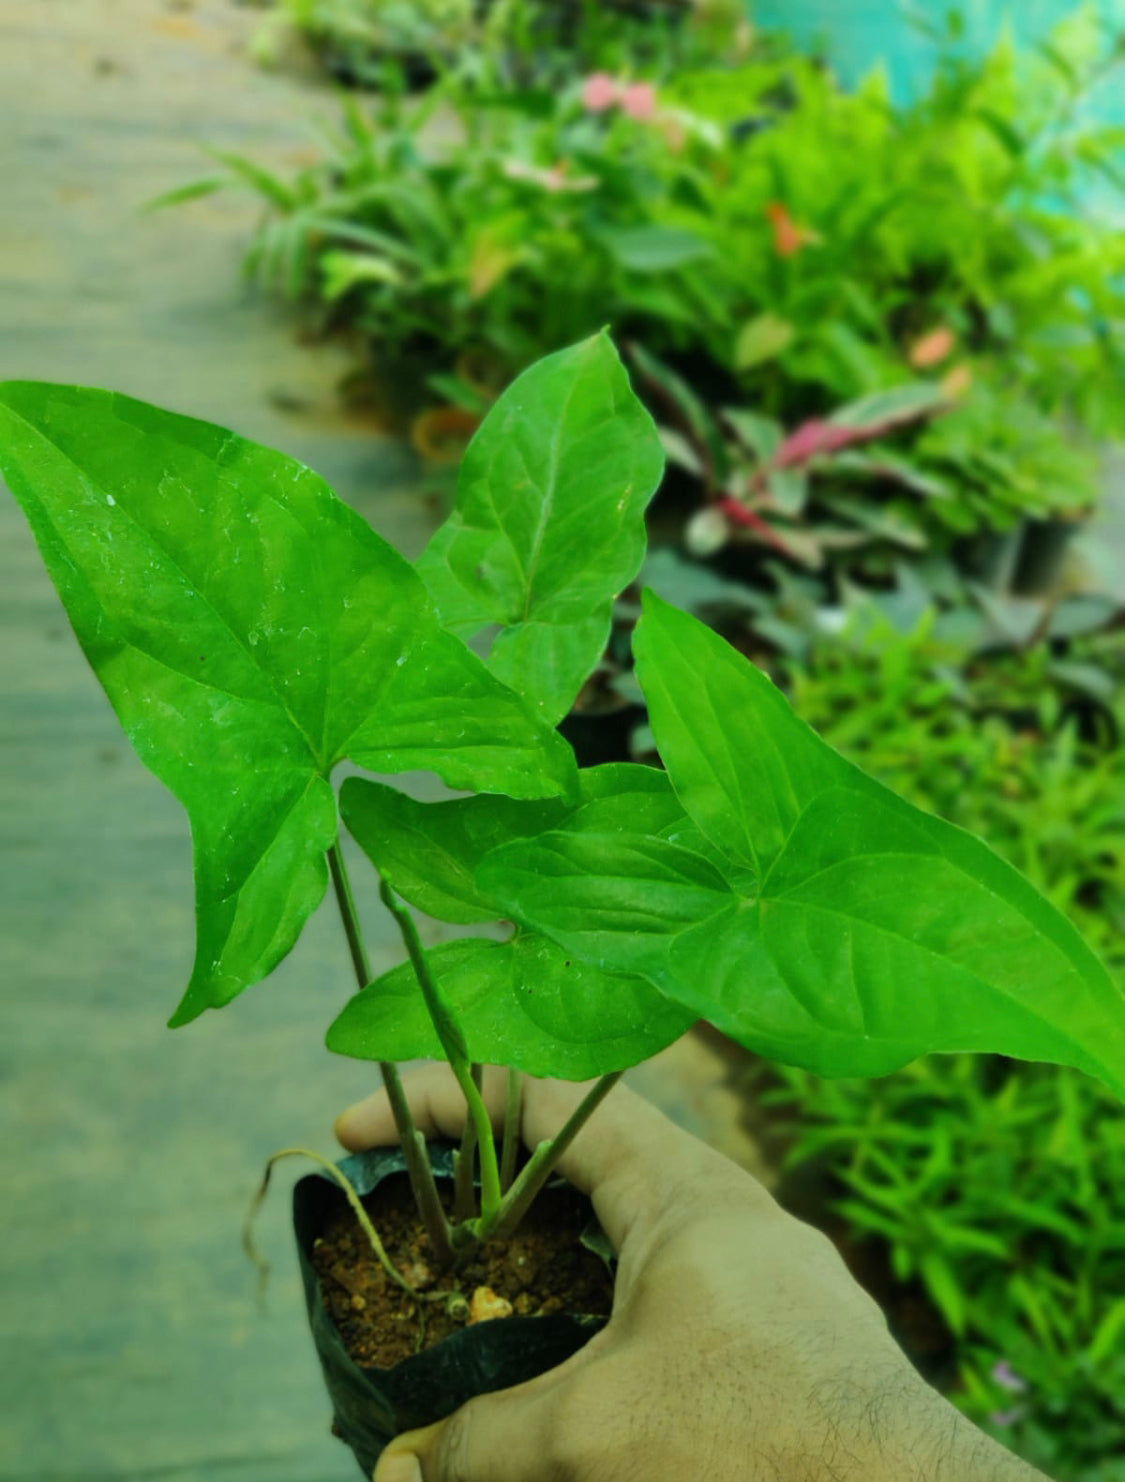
600, 736
372, 1405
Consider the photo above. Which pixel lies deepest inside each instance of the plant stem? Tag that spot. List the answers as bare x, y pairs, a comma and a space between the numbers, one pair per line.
453, 1043
413, 1143
464, 1162
538, 1169
361, 1215
513, 1105
348, 914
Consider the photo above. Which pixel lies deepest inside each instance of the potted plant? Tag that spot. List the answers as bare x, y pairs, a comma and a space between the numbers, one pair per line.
253, 633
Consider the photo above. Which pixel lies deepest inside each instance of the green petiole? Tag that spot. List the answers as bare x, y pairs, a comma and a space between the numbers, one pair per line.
413, 1144
453, 1043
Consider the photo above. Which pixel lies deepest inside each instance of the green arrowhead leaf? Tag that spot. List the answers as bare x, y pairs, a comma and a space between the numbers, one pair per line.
882, 934
525, 1003
251, 631
607, 884
742, 764
549, 522
616, 899
829, 924
429, 851
878, 933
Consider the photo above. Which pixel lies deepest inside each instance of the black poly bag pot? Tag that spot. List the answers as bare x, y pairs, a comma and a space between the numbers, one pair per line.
372, 1405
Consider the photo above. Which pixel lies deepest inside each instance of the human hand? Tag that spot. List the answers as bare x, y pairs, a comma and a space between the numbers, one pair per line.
739, 1345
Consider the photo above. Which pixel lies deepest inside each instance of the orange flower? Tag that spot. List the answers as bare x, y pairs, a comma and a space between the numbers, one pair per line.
788, 237
933, 348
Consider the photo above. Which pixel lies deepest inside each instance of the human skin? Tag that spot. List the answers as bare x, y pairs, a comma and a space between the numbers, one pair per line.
740, 1349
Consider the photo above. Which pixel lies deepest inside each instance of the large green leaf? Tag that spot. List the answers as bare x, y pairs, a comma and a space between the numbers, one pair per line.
616, 878
882, 934
430, 851
549, 521
741, 762
525, 1003
251, 631
616, 898
877, 933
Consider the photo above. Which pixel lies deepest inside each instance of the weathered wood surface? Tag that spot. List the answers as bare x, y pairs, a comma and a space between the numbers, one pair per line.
130, 1343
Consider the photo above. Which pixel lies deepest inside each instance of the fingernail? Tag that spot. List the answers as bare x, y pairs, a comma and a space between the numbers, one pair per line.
398, 1469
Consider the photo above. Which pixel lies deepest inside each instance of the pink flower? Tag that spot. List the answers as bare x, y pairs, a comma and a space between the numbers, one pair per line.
600, 92
638, 100
1008, 1417
1008, 1379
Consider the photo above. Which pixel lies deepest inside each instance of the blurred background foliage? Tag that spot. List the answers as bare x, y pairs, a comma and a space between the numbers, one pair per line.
865, 328
878, 316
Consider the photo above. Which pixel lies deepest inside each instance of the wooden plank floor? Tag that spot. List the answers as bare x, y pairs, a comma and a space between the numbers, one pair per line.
130, 1344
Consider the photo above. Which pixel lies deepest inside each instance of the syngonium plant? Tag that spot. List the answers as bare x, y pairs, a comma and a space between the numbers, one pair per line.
253, 633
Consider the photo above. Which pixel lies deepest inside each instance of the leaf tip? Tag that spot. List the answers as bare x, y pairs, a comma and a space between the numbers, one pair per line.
332, 1036
193, 1003
654, 609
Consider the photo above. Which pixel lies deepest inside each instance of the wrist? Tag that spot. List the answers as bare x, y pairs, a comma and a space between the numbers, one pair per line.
899, 1431
933, 1442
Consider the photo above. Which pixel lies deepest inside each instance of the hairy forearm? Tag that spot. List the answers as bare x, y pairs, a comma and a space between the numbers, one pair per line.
959, 1452
926, 1439
901, 1432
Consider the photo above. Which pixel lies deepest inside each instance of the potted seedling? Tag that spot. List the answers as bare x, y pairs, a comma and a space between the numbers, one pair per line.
254, 634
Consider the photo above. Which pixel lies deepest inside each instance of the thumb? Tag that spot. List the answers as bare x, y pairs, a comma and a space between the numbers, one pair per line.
398, 1465
500, 1437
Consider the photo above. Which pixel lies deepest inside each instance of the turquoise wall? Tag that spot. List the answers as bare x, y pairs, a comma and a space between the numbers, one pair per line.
862, 32
858, 34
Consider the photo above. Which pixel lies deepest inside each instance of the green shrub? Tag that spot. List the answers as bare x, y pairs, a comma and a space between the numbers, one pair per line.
523, 39
996, 1189
989, 743
783, 249
962, 211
